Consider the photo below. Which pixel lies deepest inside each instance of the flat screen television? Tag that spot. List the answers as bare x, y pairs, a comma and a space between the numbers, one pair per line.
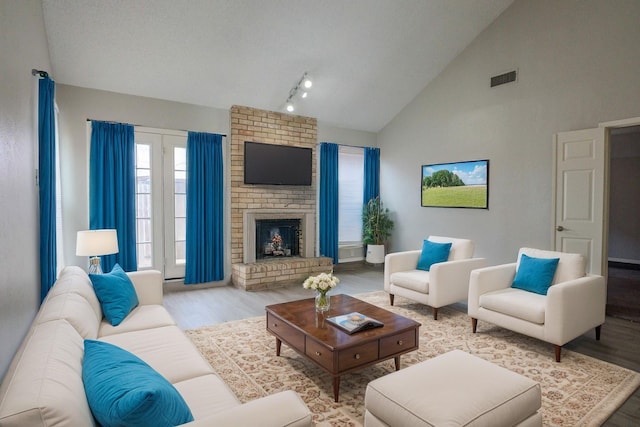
272, 164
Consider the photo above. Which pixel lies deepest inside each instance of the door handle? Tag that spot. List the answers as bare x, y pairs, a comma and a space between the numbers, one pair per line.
559, 228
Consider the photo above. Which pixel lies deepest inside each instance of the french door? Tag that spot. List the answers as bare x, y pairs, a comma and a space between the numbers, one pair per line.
161, 179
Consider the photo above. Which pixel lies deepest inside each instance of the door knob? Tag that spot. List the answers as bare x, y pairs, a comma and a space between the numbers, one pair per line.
559, 228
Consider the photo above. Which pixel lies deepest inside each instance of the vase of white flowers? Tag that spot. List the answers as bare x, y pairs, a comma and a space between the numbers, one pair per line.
322, 283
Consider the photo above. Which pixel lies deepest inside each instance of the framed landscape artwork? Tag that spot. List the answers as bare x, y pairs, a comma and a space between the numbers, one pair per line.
456, 185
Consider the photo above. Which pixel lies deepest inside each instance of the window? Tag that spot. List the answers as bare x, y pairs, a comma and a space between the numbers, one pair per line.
144, 231
350, 195
161, 200
180, 204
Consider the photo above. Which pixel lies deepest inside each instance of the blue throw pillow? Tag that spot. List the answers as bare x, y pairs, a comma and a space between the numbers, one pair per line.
116, 294
433, 253
122, 390
535, 274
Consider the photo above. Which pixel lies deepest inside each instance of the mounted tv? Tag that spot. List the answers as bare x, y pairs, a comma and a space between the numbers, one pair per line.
271, 164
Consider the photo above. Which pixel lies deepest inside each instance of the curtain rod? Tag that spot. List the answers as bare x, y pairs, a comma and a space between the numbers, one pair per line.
41, 73
346, 145
131, 124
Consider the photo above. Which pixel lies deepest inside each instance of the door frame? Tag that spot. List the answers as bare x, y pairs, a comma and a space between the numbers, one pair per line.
634, 121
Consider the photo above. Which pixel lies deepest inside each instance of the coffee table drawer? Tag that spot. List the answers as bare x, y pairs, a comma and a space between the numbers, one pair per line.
319, 353
358, 355
285, 332
397, 343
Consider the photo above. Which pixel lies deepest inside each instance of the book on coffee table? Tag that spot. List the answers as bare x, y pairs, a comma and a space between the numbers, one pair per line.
354, 322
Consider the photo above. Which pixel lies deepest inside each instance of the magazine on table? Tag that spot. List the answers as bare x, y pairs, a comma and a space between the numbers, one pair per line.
354, 322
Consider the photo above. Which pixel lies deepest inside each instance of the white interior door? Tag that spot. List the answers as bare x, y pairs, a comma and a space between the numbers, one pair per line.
579, 182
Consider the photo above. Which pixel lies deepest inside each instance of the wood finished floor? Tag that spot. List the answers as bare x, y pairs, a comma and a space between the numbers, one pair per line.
619, 343
623, 292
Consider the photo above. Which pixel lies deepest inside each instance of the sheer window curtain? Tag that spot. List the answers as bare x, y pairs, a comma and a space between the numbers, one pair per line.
47, 184
328, 209
112, 189
205, 211
350, 195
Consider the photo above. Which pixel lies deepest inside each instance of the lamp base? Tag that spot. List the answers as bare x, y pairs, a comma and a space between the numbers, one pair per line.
94, 265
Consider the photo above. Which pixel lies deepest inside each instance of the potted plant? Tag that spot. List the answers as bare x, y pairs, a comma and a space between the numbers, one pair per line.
376, 229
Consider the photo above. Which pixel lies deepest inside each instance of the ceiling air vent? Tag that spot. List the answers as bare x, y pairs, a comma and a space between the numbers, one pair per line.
503, 78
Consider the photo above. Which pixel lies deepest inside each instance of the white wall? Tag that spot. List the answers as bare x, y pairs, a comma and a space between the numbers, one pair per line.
327, 133
23, 46
77, 104
578, 65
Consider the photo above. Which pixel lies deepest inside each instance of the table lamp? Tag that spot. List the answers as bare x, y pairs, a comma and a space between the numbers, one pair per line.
93, 243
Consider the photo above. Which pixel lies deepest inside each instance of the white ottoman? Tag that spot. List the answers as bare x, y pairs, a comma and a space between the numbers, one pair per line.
453, 389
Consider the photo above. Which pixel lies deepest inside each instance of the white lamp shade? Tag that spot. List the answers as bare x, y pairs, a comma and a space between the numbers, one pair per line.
96, 242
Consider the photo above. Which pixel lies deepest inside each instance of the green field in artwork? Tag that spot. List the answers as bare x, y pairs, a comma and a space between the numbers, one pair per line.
468, 196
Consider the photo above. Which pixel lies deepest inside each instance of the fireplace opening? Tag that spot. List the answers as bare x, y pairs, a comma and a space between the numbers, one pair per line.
277, 238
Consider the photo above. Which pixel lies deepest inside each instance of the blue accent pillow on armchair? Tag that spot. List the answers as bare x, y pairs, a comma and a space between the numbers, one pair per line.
122, 390
433, 253
116, 294
535, 274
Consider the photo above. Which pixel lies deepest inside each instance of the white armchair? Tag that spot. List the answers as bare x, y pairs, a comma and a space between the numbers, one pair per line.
575, 301
445, 283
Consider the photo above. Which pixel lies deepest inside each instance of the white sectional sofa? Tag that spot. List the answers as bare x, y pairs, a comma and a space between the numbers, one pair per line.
43, 385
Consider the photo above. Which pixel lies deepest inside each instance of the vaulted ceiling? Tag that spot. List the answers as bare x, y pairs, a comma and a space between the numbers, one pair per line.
368, 58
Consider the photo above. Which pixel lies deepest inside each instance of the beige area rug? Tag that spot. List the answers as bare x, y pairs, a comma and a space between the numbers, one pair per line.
579, 391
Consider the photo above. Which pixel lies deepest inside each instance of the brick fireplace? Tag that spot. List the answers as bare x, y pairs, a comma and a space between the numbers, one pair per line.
251, 203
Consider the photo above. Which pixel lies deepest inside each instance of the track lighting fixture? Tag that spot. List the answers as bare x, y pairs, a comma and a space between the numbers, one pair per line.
304, 82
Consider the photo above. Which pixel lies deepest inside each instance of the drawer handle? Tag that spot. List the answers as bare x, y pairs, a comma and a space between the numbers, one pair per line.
275, 325
357, 356
400, 342
318, 353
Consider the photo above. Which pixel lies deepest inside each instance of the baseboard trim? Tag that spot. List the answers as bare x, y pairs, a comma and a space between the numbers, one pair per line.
626, 265
625, 260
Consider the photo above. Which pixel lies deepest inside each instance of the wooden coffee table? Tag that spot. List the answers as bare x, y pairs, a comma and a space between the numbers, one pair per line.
298, 325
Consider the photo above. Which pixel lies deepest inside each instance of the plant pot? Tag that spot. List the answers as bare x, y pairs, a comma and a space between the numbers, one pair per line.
375, 254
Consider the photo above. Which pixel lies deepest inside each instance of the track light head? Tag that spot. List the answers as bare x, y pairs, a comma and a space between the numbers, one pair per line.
290, 107
307, 82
